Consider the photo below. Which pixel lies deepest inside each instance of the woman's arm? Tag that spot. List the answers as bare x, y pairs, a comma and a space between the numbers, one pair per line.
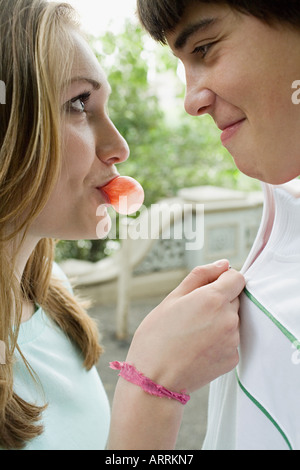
190, 339
143, 422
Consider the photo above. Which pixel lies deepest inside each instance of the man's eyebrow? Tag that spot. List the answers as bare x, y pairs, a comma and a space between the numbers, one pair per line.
95, 84
192, 29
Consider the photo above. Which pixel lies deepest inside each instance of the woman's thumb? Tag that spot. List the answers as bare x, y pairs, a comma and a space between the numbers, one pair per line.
201, 276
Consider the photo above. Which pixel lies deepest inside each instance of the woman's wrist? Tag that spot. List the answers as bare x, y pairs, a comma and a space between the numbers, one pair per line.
141, 421
131, 374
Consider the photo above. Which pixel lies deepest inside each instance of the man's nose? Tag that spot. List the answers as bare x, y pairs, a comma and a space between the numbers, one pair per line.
198, 101
199, 98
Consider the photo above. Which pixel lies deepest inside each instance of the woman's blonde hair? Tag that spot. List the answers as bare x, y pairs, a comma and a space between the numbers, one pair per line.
36, 56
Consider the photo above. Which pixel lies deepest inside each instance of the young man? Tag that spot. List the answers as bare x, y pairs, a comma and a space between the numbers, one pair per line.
242, 64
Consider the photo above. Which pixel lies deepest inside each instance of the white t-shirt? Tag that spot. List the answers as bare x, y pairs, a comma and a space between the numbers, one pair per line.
257, 406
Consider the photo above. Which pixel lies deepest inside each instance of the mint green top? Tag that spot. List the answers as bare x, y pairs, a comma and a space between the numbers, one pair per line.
78, 414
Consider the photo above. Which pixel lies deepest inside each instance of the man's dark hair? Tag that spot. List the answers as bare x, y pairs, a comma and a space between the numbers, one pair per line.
162, 16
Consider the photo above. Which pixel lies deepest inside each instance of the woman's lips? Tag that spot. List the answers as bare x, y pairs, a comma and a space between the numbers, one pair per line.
230, 130
103, 192
125, 194
105, 197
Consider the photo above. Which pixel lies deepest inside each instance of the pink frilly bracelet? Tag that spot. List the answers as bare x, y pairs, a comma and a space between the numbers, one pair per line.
131, 374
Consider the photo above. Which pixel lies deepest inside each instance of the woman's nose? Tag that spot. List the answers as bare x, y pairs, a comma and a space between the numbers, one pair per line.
112, 148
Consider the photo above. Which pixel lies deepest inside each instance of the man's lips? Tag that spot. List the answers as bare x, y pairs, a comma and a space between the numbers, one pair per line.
223, 127
228, 130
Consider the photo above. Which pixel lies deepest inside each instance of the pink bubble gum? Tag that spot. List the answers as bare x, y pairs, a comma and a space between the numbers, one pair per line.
125, 194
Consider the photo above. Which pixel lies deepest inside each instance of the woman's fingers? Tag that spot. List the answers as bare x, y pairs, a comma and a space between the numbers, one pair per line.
201, 276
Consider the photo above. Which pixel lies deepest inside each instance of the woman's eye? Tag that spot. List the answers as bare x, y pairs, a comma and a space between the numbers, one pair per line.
78, 104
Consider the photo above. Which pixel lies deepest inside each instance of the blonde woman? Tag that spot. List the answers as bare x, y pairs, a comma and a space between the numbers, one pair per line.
238, 56
57, 148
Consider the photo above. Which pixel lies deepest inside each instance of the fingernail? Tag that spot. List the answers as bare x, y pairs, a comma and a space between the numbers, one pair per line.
221, 263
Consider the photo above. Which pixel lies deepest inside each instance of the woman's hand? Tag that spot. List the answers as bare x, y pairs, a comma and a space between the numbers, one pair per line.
192, 337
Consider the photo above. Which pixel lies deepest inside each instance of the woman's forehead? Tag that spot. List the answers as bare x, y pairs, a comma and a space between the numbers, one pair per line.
86, 65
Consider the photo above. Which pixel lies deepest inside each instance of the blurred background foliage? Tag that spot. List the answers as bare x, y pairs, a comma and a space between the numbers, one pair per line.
169, 149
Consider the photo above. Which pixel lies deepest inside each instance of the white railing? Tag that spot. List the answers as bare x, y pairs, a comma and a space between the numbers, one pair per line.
200, 226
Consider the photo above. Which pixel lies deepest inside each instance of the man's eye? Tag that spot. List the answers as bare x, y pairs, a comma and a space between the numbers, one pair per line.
203, 50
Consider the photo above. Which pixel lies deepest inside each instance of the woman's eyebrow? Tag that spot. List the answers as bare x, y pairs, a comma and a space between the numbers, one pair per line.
192, 29
95, 84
